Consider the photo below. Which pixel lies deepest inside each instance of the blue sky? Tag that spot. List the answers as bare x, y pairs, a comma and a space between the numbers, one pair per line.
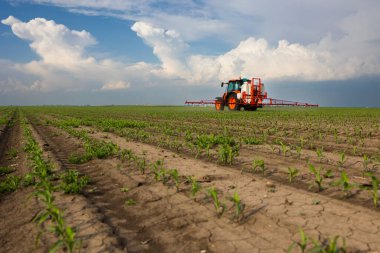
164, 52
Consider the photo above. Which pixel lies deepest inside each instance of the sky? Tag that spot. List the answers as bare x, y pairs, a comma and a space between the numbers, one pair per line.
163, 52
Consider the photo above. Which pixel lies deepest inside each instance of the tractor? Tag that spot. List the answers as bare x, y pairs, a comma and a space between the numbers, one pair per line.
242, 93
246, 93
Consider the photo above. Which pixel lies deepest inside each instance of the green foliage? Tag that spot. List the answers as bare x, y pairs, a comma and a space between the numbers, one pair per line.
344, 182
228, 153
12, 152
10, 184
292, 173
307, 244
375, 187
239, 206
320, 153
130, 202
342, 159
29, 179
5, 170
175, 177
318, 180
219, 206
258, 164
195, 185
73, 183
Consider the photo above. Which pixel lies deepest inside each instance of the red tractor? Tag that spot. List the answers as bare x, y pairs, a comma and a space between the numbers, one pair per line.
242, 93
245, 93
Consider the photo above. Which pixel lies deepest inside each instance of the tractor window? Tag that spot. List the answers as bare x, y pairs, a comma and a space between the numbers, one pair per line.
233, 86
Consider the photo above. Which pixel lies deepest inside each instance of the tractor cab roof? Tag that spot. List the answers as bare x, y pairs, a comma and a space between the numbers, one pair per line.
240, 80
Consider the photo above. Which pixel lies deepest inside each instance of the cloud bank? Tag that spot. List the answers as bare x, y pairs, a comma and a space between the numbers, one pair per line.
64, 64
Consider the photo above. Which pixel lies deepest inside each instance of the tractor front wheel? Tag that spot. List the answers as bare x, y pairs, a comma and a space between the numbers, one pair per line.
219, 105
232, 101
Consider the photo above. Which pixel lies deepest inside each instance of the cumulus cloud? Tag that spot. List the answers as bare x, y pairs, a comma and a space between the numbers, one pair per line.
255, 57
119, 85
63, 63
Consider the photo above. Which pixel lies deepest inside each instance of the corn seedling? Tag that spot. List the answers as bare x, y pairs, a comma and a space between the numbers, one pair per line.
329, 246
344, 183
72, 183
29, 179
142, 165
227, 153
302, 244
342, 159
258, 164
320, 154
5, 170
124, 189
12, 153
10, 184
318, 177
326, 246
130, 202
195, 185
284, 148
239, 206
292, 173
375, 187
366, 161
175, 177
219, 206
126, 155
299, 151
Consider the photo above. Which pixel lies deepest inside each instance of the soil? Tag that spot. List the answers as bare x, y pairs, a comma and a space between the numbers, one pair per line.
124, 210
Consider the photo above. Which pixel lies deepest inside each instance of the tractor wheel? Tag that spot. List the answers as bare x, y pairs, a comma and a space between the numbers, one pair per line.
219, 105
232, 101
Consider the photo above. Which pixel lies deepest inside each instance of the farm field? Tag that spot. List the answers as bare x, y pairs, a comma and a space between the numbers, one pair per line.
189, 179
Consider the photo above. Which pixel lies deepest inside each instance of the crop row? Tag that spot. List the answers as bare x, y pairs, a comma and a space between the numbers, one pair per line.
44, 179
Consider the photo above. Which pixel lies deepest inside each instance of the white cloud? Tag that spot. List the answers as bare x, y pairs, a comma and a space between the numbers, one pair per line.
119, 85
65, 65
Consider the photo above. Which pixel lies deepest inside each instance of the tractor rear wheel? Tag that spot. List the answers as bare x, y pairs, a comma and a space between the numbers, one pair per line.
219, 105
232, 102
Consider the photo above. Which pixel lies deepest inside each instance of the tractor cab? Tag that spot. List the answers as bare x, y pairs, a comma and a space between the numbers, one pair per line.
235, 85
